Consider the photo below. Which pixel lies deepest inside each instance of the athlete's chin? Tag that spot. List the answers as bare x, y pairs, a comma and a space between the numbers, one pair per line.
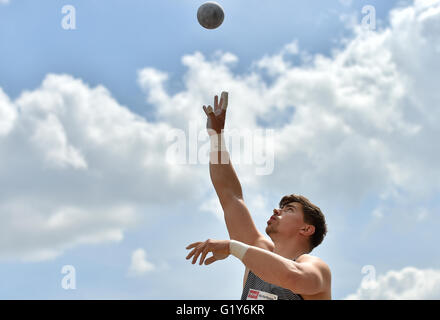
269, 230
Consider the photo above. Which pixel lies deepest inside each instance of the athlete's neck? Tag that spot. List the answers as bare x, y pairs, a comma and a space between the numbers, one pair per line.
288, 251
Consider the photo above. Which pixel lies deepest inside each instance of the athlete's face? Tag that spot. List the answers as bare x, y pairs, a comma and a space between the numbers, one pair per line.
288, 220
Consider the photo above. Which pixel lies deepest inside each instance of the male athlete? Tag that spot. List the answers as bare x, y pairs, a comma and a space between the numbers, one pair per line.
276, 269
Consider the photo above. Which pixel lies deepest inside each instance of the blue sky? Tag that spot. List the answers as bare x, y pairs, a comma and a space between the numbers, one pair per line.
114, 39
86, 114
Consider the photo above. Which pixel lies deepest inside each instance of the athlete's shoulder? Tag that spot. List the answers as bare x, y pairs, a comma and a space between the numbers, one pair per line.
309, 258
316, 261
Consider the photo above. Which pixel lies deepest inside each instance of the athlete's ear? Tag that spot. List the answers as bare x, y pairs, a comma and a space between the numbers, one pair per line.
308, 230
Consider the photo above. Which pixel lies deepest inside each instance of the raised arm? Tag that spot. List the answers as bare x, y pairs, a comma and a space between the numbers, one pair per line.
227, 186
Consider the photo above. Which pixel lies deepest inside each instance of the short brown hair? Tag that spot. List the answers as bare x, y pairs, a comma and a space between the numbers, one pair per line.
312, 216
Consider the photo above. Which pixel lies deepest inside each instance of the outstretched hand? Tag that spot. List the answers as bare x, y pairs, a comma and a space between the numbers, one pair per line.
219, 249
217, 116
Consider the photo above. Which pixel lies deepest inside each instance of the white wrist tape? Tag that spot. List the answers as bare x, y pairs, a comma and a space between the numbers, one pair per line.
218, 144
238, 249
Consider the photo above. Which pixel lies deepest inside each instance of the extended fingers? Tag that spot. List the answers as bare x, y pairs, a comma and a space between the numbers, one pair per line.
191, 254
199, 248
197, 254
216, 103
206, 110
224, 100
211, 115
192, 245
219, 106
202, 258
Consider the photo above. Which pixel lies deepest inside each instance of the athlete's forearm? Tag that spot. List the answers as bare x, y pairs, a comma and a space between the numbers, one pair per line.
222, 173
270, 267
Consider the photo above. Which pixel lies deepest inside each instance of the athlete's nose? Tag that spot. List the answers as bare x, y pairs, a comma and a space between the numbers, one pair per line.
276, 212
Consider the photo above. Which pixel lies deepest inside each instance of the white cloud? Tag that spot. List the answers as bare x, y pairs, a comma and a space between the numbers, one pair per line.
276, 65
213, 206
139, 264
8, 114
77, 168
407, 284
51, 137
4, 1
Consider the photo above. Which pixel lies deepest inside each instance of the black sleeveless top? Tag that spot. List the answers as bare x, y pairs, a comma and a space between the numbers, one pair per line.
253, 282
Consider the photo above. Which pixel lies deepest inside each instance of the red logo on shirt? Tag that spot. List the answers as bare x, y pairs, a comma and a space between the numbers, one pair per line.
253, 294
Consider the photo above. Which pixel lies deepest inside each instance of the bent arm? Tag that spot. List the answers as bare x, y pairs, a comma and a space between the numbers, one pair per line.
308, 278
